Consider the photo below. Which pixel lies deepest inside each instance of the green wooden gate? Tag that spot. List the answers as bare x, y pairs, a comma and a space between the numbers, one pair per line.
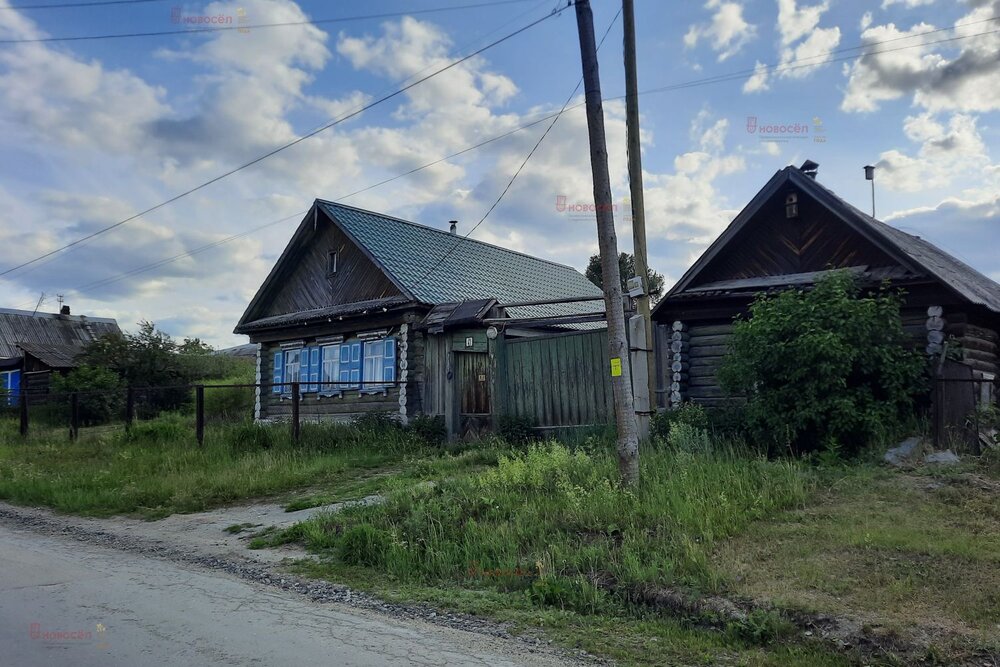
558, 380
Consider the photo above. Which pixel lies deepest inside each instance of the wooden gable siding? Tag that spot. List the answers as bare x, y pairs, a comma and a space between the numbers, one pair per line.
773, 244
306, 285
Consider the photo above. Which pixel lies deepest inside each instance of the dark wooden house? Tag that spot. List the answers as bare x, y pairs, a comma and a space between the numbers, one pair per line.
792, 232
34, 345
346, 312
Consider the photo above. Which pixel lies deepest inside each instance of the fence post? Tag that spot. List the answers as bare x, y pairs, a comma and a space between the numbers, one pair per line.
199, 402
74, 416
129, 407
23, 400
295, 411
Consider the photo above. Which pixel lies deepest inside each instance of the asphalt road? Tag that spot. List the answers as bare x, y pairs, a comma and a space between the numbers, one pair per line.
66, 602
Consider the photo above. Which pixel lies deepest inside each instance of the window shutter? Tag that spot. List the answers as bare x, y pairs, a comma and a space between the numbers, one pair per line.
389, 361
314, 367
356, 364
278, 371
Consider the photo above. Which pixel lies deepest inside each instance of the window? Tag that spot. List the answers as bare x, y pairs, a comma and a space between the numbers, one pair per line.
380, 362
292, 365
10, 385
331, 263
330, 354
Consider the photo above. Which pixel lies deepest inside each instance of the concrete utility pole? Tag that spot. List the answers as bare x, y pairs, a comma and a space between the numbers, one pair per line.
621, 376
640, 325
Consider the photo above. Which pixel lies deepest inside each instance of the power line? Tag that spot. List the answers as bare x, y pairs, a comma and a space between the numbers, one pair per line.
64, 5
244, 27
275, 151
687, 84
520, 168
195, 251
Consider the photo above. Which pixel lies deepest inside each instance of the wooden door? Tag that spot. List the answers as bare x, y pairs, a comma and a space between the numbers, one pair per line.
474, 382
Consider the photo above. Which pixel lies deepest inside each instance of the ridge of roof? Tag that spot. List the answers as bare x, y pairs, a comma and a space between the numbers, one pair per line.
57, 316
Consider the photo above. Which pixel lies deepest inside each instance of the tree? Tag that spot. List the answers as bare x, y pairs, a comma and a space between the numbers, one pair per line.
195, 346
626, 267
101, 393
147, 358
824, 367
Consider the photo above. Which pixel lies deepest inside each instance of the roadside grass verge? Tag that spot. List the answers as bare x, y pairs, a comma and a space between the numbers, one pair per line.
915, 552
157, 468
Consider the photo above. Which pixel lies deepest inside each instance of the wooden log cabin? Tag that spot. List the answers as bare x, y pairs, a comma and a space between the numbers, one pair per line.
791, 233
357, 307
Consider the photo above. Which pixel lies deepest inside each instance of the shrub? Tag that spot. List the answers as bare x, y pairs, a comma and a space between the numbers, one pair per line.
430, 429
101, 394
824, 365
516, 429
691, 414
686, 437
376, 423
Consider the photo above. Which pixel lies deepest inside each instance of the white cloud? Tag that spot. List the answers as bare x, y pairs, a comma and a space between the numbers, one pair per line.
727, 32
947, 153
953, 76
758, 82
804, 44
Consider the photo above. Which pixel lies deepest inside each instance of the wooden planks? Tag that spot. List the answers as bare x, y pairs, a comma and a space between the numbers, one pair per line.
561, 380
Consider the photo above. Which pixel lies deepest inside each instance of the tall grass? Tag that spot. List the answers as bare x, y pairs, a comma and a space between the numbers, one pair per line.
157, 468
554, 521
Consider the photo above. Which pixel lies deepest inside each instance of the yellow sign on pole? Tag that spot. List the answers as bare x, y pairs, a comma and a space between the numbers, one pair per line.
616, 367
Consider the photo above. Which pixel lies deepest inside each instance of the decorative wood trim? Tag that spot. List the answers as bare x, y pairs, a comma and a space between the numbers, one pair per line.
256, 390
679, 363
402, 350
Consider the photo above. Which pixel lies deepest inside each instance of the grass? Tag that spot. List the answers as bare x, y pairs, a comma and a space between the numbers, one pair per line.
909, 552
157, 468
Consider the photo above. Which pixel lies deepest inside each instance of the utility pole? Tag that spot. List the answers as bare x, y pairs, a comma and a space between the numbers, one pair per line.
642, 330
621, 376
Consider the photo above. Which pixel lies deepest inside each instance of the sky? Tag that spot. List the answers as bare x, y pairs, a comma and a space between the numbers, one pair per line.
92, 132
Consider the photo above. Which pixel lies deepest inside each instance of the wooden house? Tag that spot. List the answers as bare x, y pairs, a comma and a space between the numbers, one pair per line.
34, 345
791, 233
346, 312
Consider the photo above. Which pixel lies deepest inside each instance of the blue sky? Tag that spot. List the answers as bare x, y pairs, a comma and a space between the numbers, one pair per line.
93, 131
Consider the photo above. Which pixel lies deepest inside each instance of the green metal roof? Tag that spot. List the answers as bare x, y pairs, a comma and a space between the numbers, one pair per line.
436, 266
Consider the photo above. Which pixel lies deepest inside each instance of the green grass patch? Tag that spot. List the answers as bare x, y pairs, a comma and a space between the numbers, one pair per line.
561, 515
157, 468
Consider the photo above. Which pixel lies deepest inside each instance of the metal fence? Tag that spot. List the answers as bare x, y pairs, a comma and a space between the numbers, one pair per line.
196, 406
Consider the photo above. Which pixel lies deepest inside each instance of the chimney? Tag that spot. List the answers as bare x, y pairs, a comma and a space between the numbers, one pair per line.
809, 168
453, 226
64, 310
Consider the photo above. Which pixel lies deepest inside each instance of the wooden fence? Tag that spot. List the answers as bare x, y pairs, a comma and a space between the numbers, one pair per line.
557, 380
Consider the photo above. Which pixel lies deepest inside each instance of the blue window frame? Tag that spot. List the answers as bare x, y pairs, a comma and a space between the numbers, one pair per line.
353, 364
278, 372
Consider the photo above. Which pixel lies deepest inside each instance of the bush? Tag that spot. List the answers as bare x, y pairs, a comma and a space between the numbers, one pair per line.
376, 423
429, 429
823, 366
691, 414
686, 437
252, 437
516, 429
101, 393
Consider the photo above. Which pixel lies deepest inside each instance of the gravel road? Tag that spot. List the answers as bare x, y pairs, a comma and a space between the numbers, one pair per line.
121, 592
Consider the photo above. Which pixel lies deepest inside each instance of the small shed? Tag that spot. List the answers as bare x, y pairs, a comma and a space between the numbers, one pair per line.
791, 233
34, 345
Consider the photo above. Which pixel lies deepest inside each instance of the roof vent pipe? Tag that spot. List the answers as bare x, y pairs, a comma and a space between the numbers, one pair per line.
453, 226
809, 168
64, 310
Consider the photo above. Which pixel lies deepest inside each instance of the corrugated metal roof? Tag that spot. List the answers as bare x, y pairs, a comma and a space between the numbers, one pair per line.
436, 266
53, 356
48, 329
